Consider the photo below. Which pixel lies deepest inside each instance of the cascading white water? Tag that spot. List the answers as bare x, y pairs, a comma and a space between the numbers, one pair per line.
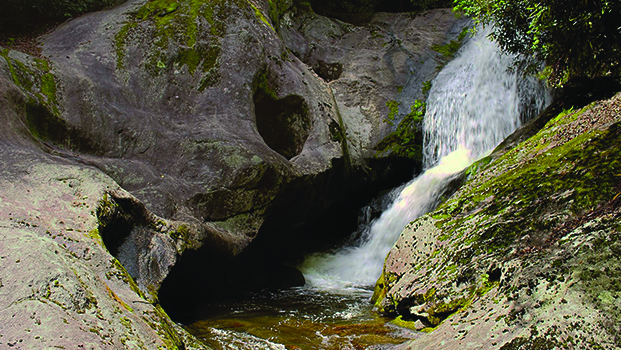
474, 103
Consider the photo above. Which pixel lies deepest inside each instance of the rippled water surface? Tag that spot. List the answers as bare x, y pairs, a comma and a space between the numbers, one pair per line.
300, 318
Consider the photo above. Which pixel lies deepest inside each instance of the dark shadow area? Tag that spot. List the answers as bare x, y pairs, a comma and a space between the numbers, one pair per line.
47, 127
19, 16
205, 280
321, 212
283, 123
494, 274
312, 213
117, 218
360, 12
328, 71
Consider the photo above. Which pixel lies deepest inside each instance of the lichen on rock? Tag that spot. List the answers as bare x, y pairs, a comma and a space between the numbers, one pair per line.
514, 253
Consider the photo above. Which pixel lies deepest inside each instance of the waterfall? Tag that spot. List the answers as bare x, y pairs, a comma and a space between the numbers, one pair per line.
474, 103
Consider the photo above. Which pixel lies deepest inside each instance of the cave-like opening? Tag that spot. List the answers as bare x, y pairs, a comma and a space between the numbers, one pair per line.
312, 213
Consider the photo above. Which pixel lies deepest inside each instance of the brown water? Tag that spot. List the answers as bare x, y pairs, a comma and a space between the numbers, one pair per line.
301, 318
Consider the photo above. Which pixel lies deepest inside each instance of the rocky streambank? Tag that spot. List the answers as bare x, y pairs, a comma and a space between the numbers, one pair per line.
525, 254
157, 130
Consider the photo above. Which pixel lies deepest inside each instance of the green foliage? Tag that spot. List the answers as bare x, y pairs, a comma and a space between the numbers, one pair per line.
576, 39
406, 141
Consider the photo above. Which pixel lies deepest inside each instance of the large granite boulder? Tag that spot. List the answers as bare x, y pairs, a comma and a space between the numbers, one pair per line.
206, 114
59, 285
524, 255
157, 127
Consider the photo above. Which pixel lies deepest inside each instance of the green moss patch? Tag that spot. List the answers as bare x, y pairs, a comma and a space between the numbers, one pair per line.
406, 140
449, 49
180, 33
34, 77
42, 108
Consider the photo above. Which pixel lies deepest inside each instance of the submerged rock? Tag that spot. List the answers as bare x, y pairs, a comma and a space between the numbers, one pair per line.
523, 255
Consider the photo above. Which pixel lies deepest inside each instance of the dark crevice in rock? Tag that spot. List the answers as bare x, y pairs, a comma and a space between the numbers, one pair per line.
118, 217
311, 213
494, 274
202, 279
328, 71
283, 123
137, 239
115, 223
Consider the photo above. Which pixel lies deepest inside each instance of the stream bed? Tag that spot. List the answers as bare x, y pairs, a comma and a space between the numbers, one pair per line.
299, 318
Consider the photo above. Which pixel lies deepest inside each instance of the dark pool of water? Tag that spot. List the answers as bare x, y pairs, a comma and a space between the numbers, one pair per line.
299, 318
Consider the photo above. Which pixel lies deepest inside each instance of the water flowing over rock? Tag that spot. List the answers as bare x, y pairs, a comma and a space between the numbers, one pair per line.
521, 255
473, 104
476, 101
142, 165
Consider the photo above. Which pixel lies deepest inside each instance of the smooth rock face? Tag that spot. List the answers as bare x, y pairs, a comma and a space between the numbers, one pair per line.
170, 106
522, 256
163, 99
59, 286
153, 128
367, 66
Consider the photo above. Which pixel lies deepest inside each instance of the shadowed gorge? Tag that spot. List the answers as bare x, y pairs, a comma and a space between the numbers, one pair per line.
311, 214
283, 174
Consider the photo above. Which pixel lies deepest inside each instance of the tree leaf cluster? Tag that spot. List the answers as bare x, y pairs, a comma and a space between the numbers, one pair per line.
578, 38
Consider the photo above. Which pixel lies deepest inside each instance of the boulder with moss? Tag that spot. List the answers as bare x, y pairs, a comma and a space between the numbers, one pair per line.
523, 256
160, 96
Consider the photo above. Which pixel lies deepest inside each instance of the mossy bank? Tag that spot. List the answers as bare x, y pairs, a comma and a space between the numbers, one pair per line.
523, 255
